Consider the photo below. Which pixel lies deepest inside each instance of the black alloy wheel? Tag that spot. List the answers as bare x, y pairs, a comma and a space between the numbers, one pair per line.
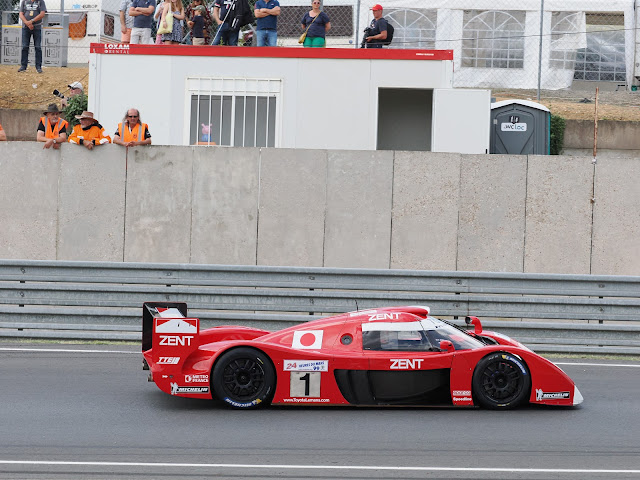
244, 378
501, 381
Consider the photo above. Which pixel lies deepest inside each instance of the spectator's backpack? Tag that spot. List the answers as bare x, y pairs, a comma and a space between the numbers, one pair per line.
390, 29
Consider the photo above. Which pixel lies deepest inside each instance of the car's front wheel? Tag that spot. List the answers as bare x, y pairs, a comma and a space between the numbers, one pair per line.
501, 381
244, 378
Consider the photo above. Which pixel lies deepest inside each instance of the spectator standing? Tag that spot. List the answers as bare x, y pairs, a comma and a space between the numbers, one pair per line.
316, 23
206, 17
126, 21
52, 130
3, 135
266, 12
377, 29
131, 131
31, 13
197, 25
175, 8
221, 13
142, 13
89, 133
157, 16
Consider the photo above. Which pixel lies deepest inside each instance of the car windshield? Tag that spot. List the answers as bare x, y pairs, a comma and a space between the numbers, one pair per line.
416, 336
437, 331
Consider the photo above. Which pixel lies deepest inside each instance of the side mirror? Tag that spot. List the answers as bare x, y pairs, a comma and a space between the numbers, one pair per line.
447, 346
475, 321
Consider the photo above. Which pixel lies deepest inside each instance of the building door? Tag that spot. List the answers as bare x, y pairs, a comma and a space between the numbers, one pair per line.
404, 119
461, 120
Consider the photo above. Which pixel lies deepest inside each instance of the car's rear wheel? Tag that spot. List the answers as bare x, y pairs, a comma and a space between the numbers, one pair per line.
244, 378
501, 381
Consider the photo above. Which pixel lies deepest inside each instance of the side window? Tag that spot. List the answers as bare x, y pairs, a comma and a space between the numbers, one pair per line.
395, 341
235, 112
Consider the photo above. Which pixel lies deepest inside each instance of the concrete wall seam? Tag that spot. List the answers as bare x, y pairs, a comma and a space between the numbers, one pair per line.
338, 208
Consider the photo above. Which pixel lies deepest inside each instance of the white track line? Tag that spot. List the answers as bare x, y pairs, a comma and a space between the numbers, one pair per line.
599, 364
63, 350
316, 467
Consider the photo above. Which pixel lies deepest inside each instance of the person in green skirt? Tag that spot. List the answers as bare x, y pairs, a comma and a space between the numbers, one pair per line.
316, 23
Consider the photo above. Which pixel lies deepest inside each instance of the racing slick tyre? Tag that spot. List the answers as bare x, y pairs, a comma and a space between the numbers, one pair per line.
244, 378
501, 381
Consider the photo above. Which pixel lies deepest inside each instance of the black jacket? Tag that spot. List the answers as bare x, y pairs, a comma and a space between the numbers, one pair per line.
240, 14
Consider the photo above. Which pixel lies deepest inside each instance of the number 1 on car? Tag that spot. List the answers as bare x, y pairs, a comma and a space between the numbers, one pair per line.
305, 384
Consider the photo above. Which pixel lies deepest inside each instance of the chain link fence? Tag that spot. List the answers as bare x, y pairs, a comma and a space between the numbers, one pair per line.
497, 44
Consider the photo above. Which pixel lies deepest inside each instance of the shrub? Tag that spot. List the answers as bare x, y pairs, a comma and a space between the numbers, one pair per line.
75, 106
557, 134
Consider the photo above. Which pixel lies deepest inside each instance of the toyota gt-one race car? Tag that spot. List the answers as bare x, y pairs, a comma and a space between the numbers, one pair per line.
384, 356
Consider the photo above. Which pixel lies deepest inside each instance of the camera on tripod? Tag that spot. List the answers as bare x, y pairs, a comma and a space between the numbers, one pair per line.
57, 93
367, 33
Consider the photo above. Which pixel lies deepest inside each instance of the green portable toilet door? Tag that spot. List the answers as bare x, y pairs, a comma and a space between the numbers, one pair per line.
514, 132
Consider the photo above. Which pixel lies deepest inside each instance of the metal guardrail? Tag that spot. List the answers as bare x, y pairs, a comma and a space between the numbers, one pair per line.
102, 300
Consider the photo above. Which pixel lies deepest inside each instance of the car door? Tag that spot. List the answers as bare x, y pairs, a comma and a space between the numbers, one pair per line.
405, 368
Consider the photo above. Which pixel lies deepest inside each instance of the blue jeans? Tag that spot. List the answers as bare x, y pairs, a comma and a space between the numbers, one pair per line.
36, 33
225, 33
267, 38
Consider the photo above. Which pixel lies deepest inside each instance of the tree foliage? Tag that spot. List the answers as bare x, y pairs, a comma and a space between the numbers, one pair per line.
75, 106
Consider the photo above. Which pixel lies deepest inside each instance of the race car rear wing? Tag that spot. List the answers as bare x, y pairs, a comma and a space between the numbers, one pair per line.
150, 310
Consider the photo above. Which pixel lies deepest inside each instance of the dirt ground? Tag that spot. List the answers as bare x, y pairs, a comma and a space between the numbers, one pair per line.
31, 90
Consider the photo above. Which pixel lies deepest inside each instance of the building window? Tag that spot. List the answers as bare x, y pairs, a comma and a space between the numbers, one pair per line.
234, 112
493, 39
414, 28
567, 36
604, 57
108, 25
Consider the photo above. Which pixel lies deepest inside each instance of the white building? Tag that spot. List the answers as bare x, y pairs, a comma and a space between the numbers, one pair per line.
286, 97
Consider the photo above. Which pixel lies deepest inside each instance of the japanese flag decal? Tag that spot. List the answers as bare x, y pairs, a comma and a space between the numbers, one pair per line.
307, 339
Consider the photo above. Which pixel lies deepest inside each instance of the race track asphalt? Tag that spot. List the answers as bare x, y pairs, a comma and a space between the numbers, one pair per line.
88, 412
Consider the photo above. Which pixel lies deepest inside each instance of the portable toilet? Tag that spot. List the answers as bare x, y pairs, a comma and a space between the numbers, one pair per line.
520, 127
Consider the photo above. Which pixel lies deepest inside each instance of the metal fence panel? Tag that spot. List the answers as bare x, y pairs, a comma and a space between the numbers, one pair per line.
102, 300
547, 44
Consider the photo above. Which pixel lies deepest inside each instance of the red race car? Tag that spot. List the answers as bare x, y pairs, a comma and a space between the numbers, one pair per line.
383, 356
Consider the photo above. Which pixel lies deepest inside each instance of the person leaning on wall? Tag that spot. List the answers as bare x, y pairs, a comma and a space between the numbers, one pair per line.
131, 131
52, 130
89, 133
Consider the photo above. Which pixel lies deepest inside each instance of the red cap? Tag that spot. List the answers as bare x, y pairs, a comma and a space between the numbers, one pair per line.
377, 7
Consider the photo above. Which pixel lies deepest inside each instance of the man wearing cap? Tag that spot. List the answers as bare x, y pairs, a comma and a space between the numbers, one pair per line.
89, 133
196, 24
131, 131
31, 13
266, 12
52, 130
75, 88
207, 20
377, 29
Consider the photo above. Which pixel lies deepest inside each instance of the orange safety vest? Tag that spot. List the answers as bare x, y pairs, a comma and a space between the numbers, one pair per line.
129, 135
50, 130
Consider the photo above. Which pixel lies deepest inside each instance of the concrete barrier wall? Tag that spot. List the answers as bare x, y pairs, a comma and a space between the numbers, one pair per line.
380, 209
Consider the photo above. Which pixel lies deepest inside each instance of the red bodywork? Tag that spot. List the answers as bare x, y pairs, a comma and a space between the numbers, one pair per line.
309, 359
